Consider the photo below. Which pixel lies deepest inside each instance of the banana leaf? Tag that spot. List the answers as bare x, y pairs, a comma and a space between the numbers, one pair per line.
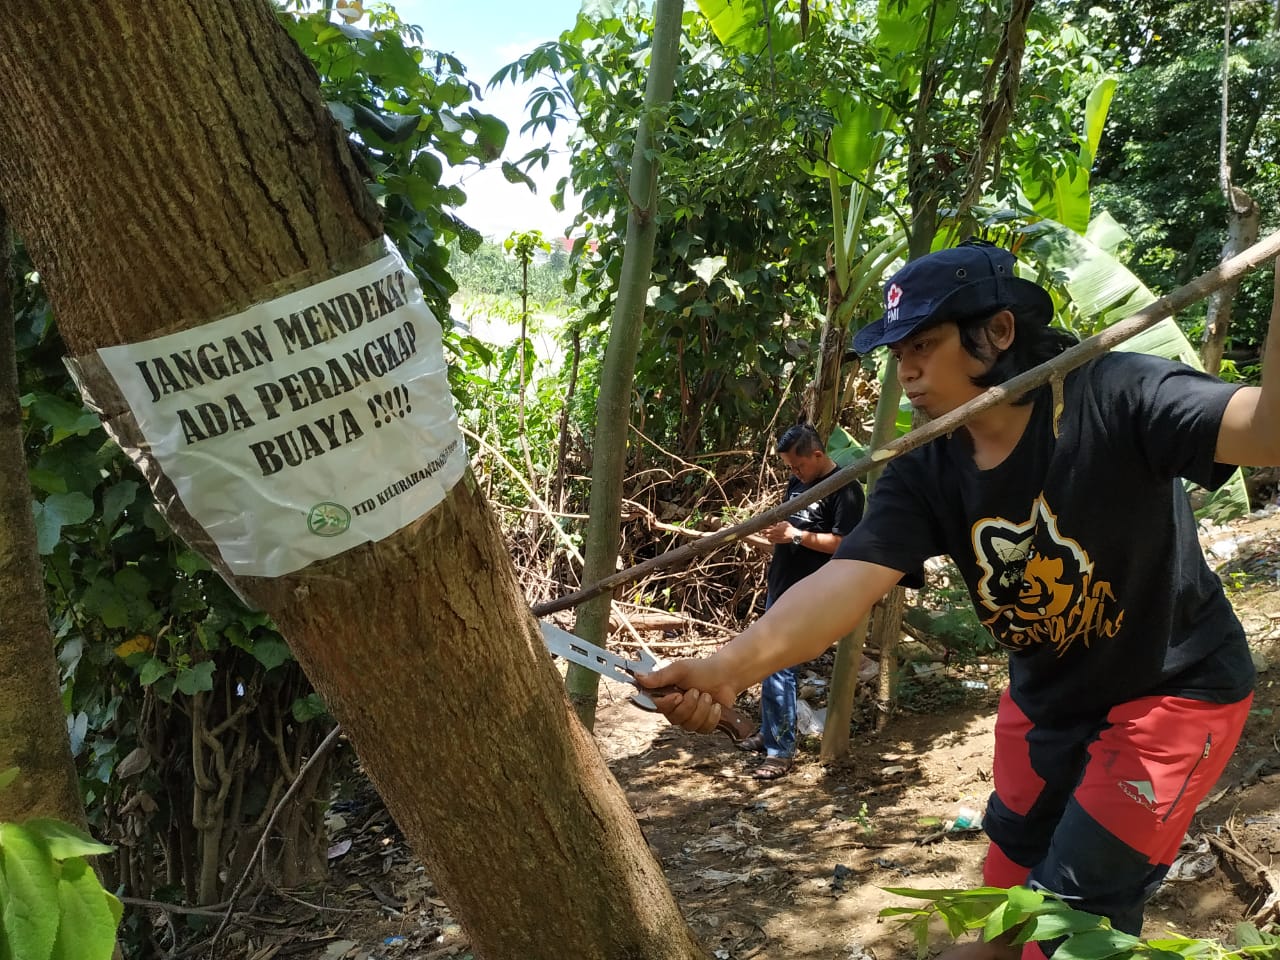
1065, 199
749, 26
842, 448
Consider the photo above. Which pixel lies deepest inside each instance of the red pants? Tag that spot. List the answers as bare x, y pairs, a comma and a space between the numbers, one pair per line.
1095, 813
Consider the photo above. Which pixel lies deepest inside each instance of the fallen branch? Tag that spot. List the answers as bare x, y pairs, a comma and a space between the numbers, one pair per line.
1052, 371
682, 618
669, 644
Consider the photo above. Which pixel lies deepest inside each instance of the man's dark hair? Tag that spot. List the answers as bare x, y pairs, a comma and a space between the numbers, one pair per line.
1034, 342
802, 440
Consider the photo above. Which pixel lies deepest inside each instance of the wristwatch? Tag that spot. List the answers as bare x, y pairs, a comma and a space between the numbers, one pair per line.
797, 537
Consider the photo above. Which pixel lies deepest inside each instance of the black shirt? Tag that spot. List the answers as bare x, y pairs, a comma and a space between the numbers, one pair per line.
837, 513
1080, 551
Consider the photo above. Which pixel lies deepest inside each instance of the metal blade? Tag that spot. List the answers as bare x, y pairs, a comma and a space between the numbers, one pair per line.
609, 665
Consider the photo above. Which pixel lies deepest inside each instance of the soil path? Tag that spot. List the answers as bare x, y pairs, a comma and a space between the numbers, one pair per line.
798, 868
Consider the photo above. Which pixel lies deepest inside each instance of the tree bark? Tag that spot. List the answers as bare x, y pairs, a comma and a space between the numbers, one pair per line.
1242, 232
613, 406
824, 394
179, 180
33, 725
1242, 222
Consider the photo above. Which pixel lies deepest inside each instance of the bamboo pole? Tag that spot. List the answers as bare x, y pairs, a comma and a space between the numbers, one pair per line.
1225, 273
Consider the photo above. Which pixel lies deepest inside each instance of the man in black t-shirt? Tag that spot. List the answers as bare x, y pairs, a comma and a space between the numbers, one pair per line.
1065, 511
799, 545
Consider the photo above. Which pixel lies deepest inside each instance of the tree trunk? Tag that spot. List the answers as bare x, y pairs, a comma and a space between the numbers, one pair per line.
843, 693
33, 725
824, 395
613, 406
844, 674
185, 177
1242, 220
886, 631
1242, 233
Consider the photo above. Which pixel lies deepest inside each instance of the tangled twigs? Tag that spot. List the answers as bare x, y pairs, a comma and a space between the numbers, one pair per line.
321, 752
1265, 878
552, 518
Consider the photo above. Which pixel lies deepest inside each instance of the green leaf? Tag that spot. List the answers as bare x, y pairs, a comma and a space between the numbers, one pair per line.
271, 652
8, 776
1024, 900
749, 25
598, 10
56, 511
190, 562
102, 601
903, 26
1096, 107
29, 915
49, 481
491, 136
941, 894
515, 175
858, 137
88, 927
67, 419
1066, 197
1247, 935
999, 920
77, 728
1095, 945
392, 129
842, 448
308, 708
1050, 926
65, 841
1105, 233
707, 268
197, 679
164, 688
152, 671
116, 498
134, 590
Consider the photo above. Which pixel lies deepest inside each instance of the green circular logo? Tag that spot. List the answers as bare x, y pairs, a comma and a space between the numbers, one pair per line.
328, 519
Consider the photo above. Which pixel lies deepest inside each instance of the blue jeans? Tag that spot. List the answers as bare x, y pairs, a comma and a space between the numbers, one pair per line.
778, 709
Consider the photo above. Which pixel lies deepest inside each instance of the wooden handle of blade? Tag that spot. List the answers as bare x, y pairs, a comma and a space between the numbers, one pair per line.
735, 724
731, 722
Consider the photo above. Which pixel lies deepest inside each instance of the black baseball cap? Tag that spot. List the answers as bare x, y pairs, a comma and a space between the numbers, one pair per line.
954, 284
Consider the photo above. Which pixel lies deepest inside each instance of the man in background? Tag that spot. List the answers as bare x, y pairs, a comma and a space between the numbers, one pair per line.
799, 545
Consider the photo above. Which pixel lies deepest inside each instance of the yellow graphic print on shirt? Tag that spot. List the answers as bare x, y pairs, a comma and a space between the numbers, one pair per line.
1038, 586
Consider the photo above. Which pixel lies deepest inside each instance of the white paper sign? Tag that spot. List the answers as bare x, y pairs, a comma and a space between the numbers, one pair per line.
304, 426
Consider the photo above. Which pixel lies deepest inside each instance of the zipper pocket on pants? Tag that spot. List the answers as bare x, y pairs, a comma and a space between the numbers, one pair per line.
1204, 755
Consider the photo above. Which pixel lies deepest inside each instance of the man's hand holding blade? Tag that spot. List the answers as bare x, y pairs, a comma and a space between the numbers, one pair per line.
705, 692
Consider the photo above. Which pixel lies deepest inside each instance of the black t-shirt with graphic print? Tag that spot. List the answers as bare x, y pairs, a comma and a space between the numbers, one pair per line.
837, 513
1080, 551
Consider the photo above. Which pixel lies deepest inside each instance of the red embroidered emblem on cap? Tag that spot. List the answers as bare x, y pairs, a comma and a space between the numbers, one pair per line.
893, 296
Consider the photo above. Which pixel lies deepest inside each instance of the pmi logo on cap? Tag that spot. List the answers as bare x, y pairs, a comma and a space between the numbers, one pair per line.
891, 300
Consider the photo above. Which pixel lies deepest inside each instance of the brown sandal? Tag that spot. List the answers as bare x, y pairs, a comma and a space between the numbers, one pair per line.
773, 768
752, 744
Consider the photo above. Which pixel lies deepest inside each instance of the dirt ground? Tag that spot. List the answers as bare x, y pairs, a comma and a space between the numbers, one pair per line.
796, 868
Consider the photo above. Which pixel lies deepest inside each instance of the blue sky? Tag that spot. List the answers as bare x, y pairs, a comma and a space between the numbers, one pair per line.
485, 35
